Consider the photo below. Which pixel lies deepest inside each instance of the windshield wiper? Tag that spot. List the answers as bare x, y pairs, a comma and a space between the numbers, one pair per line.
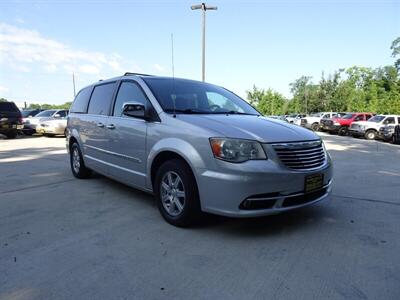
233, 112
186, 111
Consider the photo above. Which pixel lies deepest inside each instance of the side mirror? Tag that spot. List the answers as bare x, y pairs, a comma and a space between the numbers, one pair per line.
57, 116
135, 110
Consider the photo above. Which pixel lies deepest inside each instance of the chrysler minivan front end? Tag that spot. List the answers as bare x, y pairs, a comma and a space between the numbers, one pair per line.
196, 147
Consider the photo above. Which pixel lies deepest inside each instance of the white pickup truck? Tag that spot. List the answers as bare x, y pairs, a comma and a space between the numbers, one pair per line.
370, 129
312, 122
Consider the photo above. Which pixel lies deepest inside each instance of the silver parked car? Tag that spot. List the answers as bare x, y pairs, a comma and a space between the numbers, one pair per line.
53, 127
30, 124
196, 146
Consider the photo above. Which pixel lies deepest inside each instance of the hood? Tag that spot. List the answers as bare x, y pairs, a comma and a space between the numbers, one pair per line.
262, 129
37, 120
55, 122
363, 123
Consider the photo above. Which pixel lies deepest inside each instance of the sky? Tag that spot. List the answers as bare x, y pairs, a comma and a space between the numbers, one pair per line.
264, 43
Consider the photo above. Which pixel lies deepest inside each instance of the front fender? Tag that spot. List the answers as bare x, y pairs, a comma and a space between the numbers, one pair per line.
178, 146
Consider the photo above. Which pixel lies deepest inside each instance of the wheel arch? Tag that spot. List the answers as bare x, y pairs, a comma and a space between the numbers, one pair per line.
168, 149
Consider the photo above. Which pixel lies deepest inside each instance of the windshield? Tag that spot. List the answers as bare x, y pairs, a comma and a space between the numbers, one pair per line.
376, 119
26, 113
192, 97
348, 116
46, 113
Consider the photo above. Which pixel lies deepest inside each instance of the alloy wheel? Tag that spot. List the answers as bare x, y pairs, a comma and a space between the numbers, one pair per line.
172, 193
76, 160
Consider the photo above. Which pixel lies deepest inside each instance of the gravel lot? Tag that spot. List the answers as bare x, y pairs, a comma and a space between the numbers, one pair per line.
63, 238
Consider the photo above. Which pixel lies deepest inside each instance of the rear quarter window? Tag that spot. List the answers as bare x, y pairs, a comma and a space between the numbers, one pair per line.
100, 101
81, 101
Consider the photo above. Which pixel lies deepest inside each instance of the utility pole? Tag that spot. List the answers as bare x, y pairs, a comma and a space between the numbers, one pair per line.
73, 83
203, 8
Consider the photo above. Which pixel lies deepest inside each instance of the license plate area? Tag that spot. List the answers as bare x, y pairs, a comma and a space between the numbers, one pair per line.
313, 182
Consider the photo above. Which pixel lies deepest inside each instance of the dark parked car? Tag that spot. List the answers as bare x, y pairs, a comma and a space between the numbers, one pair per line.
10, 119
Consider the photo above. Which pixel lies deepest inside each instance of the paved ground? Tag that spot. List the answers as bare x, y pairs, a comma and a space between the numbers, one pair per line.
62, 238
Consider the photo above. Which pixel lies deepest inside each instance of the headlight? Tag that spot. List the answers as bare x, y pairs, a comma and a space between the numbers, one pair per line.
236, 150
336, 123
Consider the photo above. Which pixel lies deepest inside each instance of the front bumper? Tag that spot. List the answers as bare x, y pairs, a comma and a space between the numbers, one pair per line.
224, 193
356, 132
384, 136
330, 128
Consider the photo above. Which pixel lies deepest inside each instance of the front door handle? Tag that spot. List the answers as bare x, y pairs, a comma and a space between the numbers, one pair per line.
111, 126
100, 125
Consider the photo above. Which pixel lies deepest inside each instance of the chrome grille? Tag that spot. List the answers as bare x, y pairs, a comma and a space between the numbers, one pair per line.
301, 156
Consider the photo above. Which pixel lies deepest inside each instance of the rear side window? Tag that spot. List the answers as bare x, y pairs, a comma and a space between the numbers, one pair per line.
389, 120
101, 99
8, 106
81, 101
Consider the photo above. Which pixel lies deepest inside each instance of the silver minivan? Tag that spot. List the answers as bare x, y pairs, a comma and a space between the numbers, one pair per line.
196, 146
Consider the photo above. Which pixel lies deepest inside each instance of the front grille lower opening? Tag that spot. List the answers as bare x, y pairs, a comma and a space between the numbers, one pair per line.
303, 199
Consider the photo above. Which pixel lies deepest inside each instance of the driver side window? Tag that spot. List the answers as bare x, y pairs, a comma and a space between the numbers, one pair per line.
217, 102
128, 92
359, 118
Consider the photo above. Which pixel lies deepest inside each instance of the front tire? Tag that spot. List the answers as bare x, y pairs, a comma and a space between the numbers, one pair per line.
78, 167
176, 193
342, 131
370, 135
315, 127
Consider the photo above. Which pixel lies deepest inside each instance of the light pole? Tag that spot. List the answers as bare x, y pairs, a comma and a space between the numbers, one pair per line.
203, 8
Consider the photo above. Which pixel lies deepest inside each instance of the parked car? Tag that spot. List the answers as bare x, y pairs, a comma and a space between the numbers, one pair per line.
195, 146
281, 118
29, 113
293, 117
31, 123
10, 119
52, 127
313, 121
386, 132
369, 129
341, 124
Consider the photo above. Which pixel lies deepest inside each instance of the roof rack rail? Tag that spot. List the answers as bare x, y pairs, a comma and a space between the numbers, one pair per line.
140, 74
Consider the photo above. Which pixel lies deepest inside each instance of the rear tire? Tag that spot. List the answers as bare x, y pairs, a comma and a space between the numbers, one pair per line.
77, 164
11, 135
370, 134
176, 193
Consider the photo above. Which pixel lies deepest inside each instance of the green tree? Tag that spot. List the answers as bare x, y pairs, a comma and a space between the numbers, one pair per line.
268, 102
396, 51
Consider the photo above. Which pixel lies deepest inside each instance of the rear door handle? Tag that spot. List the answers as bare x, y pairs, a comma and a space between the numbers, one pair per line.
111, 126
100, 125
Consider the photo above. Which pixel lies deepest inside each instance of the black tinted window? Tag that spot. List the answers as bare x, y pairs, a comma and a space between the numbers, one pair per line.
128, 92
101, 99
81, 101
390, 120
63, 113
8, 106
